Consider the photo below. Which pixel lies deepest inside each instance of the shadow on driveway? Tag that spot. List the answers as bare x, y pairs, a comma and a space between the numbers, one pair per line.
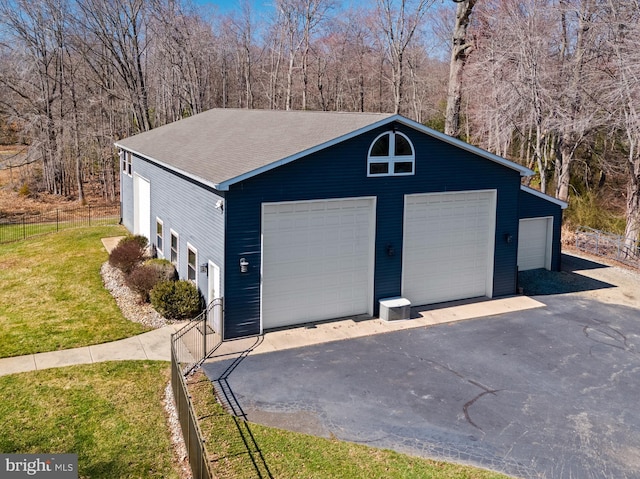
537, 282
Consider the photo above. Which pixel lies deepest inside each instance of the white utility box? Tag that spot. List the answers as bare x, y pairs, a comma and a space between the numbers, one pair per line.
393, 309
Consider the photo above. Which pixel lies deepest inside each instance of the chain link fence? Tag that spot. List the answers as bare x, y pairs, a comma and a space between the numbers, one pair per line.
602, 243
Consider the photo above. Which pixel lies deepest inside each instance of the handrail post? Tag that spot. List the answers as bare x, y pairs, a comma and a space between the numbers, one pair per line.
204, 337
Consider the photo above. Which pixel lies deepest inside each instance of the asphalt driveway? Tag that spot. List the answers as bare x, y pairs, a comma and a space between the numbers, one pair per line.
550, 392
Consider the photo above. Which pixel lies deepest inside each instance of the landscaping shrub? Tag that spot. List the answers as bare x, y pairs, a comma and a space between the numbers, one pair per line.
140, 240
142, 279
126, 256
165, 268
176, 299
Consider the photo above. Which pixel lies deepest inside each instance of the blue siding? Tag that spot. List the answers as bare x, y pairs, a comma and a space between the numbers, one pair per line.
186, 207
532, 206
341, 171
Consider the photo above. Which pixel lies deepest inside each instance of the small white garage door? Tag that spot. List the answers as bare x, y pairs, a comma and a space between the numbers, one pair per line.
317, 260
448, 246
534, 243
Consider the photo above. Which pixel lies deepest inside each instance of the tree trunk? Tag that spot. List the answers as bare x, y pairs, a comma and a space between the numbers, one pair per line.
459, 53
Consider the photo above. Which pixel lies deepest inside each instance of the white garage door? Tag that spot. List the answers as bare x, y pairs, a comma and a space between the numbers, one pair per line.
448, 246
534, 243
142, 206
317, 260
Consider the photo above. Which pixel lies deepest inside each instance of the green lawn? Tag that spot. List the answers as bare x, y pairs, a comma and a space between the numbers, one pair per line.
52, 293
245, 450
110, 414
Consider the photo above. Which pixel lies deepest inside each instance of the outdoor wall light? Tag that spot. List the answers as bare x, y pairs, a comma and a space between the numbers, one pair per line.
391, 250
508, 237
204, 268
244, 265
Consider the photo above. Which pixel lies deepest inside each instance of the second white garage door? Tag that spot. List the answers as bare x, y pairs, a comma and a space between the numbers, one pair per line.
317, 260
534, 243
448, 246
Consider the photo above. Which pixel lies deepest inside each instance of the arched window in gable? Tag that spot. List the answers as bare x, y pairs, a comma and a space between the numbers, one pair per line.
391, 154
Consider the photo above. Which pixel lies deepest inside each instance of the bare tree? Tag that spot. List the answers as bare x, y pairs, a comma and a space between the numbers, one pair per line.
460, 50
119, 26
399, 24
622, 29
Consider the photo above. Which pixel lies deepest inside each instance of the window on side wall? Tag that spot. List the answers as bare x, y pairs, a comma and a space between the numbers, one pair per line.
128, 158
192, 262
159, 236
391, 154
174, 249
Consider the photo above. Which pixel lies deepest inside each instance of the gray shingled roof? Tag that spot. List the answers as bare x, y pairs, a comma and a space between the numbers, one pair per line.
221, 145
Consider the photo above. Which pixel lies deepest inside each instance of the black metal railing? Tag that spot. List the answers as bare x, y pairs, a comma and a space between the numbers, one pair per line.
193, 440
602, 243
23, 226
190, 346
197, 339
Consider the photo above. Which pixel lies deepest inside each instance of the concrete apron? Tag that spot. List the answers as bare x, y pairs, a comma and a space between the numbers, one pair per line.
322, 332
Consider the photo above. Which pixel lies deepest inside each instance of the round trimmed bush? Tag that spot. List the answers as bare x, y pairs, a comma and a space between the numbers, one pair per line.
176, 299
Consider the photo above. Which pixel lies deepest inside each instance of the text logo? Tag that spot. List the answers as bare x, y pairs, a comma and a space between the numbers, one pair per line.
48, 466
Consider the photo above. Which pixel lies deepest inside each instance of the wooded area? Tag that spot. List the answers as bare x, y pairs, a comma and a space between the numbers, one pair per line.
552, 84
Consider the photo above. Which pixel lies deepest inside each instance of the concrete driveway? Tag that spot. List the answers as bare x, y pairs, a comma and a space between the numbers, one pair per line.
543, 393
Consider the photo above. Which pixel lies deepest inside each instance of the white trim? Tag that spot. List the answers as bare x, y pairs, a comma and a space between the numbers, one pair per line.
177, 261
214, 282
372, 245
155, 236
392, 158
190, 248
544, 196
224, 185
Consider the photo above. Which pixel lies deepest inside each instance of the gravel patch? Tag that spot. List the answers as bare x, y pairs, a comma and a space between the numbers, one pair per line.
177, 440
129, 301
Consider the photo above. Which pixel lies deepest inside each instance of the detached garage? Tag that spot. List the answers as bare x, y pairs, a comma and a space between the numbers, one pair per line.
296, 217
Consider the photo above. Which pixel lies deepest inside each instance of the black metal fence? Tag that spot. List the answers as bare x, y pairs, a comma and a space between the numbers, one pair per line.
606, 244
190, 346
20, 227
194, 442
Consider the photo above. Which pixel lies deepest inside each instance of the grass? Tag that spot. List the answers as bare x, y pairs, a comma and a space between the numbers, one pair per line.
52, 294
110, 414
17, 232
244, 450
